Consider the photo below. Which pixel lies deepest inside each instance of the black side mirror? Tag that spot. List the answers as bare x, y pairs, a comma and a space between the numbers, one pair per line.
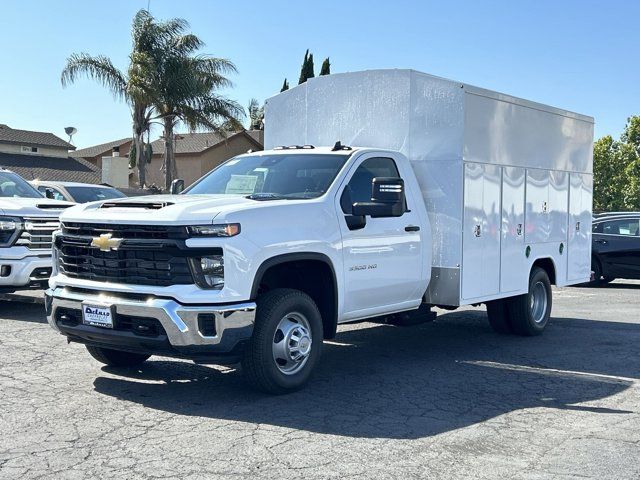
177, 186
48, 193
387, 199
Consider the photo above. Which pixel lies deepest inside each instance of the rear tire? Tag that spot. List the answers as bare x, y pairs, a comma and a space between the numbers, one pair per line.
596, 268
116, 358
498, 314
529, 313
286, 343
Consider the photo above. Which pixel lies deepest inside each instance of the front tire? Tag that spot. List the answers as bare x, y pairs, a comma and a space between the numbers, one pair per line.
286, 343
529, 313
116, 358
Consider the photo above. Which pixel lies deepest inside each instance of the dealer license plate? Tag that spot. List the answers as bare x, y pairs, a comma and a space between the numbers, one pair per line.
97, 315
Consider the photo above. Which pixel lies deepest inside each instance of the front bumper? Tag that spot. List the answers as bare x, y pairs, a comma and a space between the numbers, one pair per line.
25, 269
155, 325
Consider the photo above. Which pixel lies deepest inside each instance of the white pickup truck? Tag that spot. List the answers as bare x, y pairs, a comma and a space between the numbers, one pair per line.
458, 196
27, 221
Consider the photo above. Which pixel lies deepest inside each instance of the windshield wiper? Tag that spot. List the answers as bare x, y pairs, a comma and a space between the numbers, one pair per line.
273, 196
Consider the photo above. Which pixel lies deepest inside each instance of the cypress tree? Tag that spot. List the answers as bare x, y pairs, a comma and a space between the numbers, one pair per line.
303, 69
285, 86
326, 67
310, 68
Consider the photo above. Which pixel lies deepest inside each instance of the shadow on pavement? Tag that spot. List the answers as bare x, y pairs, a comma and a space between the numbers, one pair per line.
388, 382
23, 312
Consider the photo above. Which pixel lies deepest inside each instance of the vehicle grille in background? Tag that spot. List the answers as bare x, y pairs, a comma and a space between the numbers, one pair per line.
36, 233
133, 266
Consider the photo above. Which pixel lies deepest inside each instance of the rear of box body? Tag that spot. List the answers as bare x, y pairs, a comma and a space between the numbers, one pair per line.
500, 176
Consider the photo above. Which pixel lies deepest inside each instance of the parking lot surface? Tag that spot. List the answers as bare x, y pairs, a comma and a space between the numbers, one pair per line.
448, 399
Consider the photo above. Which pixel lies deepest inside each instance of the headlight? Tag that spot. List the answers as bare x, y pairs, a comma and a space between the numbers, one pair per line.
9, 229
221, 230
208, 271
55, 254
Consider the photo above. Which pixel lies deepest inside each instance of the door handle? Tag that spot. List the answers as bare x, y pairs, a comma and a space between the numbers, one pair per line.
603, 242
412, 228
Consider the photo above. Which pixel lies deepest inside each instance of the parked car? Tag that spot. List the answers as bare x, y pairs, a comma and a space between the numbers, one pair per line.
462, 197
616, 246
27, 221
77, 192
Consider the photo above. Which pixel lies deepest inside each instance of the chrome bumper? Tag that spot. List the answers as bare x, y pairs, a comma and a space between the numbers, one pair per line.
179, 321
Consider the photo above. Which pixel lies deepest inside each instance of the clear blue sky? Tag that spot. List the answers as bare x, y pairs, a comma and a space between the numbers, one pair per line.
578, 55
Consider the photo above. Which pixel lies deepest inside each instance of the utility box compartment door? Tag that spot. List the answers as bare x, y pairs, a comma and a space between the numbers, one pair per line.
537, 227
481, 231
513, 259
579, 242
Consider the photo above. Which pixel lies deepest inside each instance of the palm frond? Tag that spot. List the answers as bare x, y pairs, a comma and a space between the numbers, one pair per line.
98, 68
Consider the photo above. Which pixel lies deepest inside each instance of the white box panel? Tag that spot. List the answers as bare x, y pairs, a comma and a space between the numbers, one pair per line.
579, 242
537, 206
513, 258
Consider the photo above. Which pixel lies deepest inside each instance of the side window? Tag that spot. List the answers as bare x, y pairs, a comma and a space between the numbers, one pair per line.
359, 187
624, 227
597, 228
56, 193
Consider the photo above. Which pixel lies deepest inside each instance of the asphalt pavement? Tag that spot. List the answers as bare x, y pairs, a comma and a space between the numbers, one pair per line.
447, 399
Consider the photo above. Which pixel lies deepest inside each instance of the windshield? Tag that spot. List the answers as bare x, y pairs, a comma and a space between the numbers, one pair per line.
92, 194
272, 176
12, 185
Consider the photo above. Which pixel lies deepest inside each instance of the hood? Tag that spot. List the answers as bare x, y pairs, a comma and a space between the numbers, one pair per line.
36, 207
154, 209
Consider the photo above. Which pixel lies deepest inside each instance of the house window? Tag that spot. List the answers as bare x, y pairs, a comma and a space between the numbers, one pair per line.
30, 149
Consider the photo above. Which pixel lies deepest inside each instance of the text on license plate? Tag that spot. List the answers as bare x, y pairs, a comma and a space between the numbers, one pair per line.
97, 316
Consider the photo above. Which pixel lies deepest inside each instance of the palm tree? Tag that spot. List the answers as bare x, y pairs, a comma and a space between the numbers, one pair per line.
186, 85
149, 37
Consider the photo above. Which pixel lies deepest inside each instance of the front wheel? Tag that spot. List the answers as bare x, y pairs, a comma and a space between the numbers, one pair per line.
529, 313
286, 343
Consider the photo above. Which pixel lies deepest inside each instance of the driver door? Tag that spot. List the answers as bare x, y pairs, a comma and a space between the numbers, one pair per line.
382, 259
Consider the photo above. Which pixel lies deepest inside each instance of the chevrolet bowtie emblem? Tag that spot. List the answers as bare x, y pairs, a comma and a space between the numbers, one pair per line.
105, 243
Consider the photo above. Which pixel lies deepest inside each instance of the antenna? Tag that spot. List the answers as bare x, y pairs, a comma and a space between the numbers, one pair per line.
71, 131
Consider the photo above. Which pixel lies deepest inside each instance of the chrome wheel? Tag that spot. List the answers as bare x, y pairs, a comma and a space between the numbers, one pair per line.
538, 302
292, 343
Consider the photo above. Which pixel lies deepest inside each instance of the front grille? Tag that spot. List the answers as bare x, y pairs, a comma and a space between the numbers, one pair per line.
147, 255
150, 232
36, 233
133, 266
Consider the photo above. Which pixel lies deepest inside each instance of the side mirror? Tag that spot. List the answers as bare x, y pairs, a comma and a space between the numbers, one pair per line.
387, 199
177, 186
48, 193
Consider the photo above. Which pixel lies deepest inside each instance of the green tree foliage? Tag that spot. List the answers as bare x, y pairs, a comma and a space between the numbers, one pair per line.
285, 86
168, 81
131, 86
303, 68
325, 69
616, 170
256, 115
307, 69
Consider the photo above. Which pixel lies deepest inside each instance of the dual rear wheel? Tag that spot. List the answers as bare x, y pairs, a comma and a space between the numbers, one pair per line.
526, 314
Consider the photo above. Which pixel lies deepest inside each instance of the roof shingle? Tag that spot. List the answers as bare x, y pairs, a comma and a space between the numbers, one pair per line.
61, 169
91, 152
27, 137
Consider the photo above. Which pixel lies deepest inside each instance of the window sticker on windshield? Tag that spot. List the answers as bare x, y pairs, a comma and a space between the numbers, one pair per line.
241, 184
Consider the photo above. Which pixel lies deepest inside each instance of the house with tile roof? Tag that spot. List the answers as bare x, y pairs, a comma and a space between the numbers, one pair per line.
94, 154
43, 156
199, 153
196, 153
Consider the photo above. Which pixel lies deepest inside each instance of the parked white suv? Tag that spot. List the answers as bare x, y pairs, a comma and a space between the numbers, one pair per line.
27, 220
